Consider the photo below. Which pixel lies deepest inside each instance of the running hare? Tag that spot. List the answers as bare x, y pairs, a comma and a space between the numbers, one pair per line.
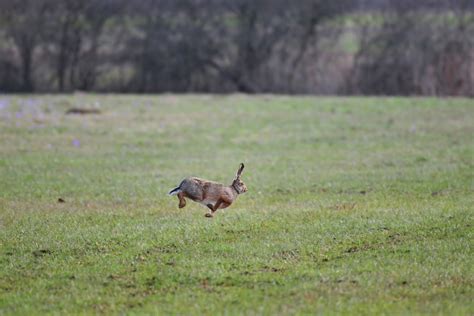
211, 194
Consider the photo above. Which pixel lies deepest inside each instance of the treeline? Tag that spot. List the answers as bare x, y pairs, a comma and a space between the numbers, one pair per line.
396, 47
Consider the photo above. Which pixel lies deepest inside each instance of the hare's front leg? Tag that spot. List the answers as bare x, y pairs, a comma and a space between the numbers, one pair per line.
182, 201
213, 208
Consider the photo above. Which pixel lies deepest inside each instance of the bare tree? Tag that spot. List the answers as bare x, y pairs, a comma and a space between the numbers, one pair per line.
24, 21
422, 48
259, 27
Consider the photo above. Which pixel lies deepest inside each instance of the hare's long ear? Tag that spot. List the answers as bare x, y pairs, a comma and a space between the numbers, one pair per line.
239, 172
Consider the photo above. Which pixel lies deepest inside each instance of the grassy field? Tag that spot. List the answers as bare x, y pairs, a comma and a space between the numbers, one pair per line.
355, 205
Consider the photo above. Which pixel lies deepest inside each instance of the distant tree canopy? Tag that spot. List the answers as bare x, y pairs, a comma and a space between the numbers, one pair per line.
397, 47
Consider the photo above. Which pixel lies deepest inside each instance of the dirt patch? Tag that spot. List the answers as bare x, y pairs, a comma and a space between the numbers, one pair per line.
83, 111
287, 255
41, 252
343, 207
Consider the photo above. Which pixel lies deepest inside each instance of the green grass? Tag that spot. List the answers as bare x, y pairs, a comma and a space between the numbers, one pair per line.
355, 205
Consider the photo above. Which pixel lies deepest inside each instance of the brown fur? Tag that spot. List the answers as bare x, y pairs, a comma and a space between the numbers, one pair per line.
209, 193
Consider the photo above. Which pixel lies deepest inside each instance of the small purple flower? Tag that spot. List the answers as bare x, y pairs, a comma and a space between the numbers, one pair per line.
4, 103
18, 115
31, 102
76, 143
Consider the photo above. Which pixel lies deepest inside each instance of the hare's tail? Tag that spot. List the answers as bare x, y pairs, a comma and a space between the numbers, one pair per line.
174, 191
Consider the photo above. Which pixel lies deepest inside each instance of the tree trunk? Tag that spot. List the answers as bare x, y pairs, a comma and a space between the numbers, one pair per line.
26, 52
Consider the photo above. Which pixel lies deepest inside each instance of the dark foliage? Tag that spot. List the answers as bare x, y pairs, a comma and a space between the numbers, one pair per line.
251, 46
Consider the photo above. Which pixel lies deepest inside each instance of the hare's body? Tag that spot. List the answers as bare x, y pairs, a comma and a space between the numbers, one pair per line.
206, 192
209, 193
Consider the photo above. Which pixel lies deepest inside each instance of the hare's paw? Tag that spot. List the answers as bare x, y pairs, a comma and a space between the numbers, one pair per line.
209, 215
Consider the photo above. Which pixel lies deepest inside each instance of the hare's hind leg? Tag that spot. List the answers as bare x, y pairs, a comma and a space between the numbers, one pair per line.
182, 201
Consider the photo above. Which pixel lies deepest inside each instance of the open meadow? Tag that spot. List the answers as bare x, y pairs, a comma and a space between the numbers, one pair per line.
355, 205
